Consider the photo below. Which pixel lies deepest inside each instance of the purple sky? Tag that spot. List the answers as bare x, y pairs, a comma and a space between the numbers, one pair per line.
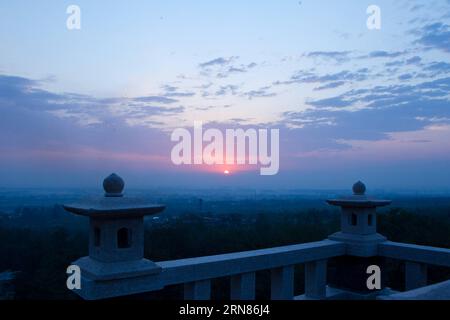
350, 103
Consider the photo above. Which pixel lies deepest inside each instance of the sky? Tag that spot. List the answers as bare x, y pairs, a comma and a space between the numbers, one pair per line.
350, 103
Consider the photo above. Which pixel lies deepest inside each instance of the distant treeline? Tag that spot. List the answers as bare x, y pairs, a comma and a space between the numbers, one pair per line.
42, 254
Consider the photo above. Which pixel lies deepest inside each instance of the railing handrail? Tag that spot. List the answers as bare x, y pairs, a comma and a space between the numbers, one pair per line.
415, 253
200, 270
224, 265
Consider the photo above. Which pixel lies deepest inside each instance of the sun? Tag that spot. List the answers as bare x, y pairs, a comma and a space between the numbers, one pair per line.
226, 172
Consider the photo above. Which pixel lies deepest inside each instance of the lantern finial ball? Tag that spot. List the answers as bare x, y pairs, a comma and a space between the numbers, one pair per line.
113, 186
359, 188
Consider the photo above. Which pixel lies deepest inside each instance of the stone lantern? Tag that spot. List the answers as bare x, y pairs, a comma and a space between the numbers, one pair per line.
116, 240
359, 222
359, 233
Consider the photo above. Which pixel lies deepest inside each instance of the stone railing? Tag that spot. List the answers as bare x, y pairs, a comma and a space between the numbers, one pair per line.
416, 260
196, 273
116, 266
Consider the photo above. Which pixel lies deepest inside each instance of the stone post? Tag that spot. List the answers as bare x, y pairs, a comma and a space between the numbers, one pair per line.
359, 234
116, 242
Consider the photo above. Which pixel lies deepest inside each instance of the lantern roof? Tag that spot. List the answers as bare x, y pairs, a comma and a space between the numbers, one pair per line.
359, 199
114, 204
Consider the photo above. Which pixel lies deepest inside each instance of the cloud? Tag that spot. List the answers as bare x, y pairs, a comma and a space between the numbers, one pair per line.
35, 119
385, 54
64, 136
227, 90
435, 36
338, 56
155, 99
346, 75
370, 114
224, 67
414, 60
16, 83
174, 92
259, 93
212, 107
18, 91
138, 110
330, 85
221, 61
236, 69
330, 80
180, 94
416, 7
345, 56
387, 96
437, 68
303, 119
25, 95
169, 88
405, 77
236, 90
334, 102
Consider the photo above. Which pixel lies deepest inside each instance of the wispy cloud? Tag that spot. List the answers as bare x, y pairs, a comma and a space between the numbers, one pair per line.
263, 92
330, 80
384, 54
224, 67
221, 61
18, 93
227, 90
435, 36
338, 56
155, 99
174, 92
330, 85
